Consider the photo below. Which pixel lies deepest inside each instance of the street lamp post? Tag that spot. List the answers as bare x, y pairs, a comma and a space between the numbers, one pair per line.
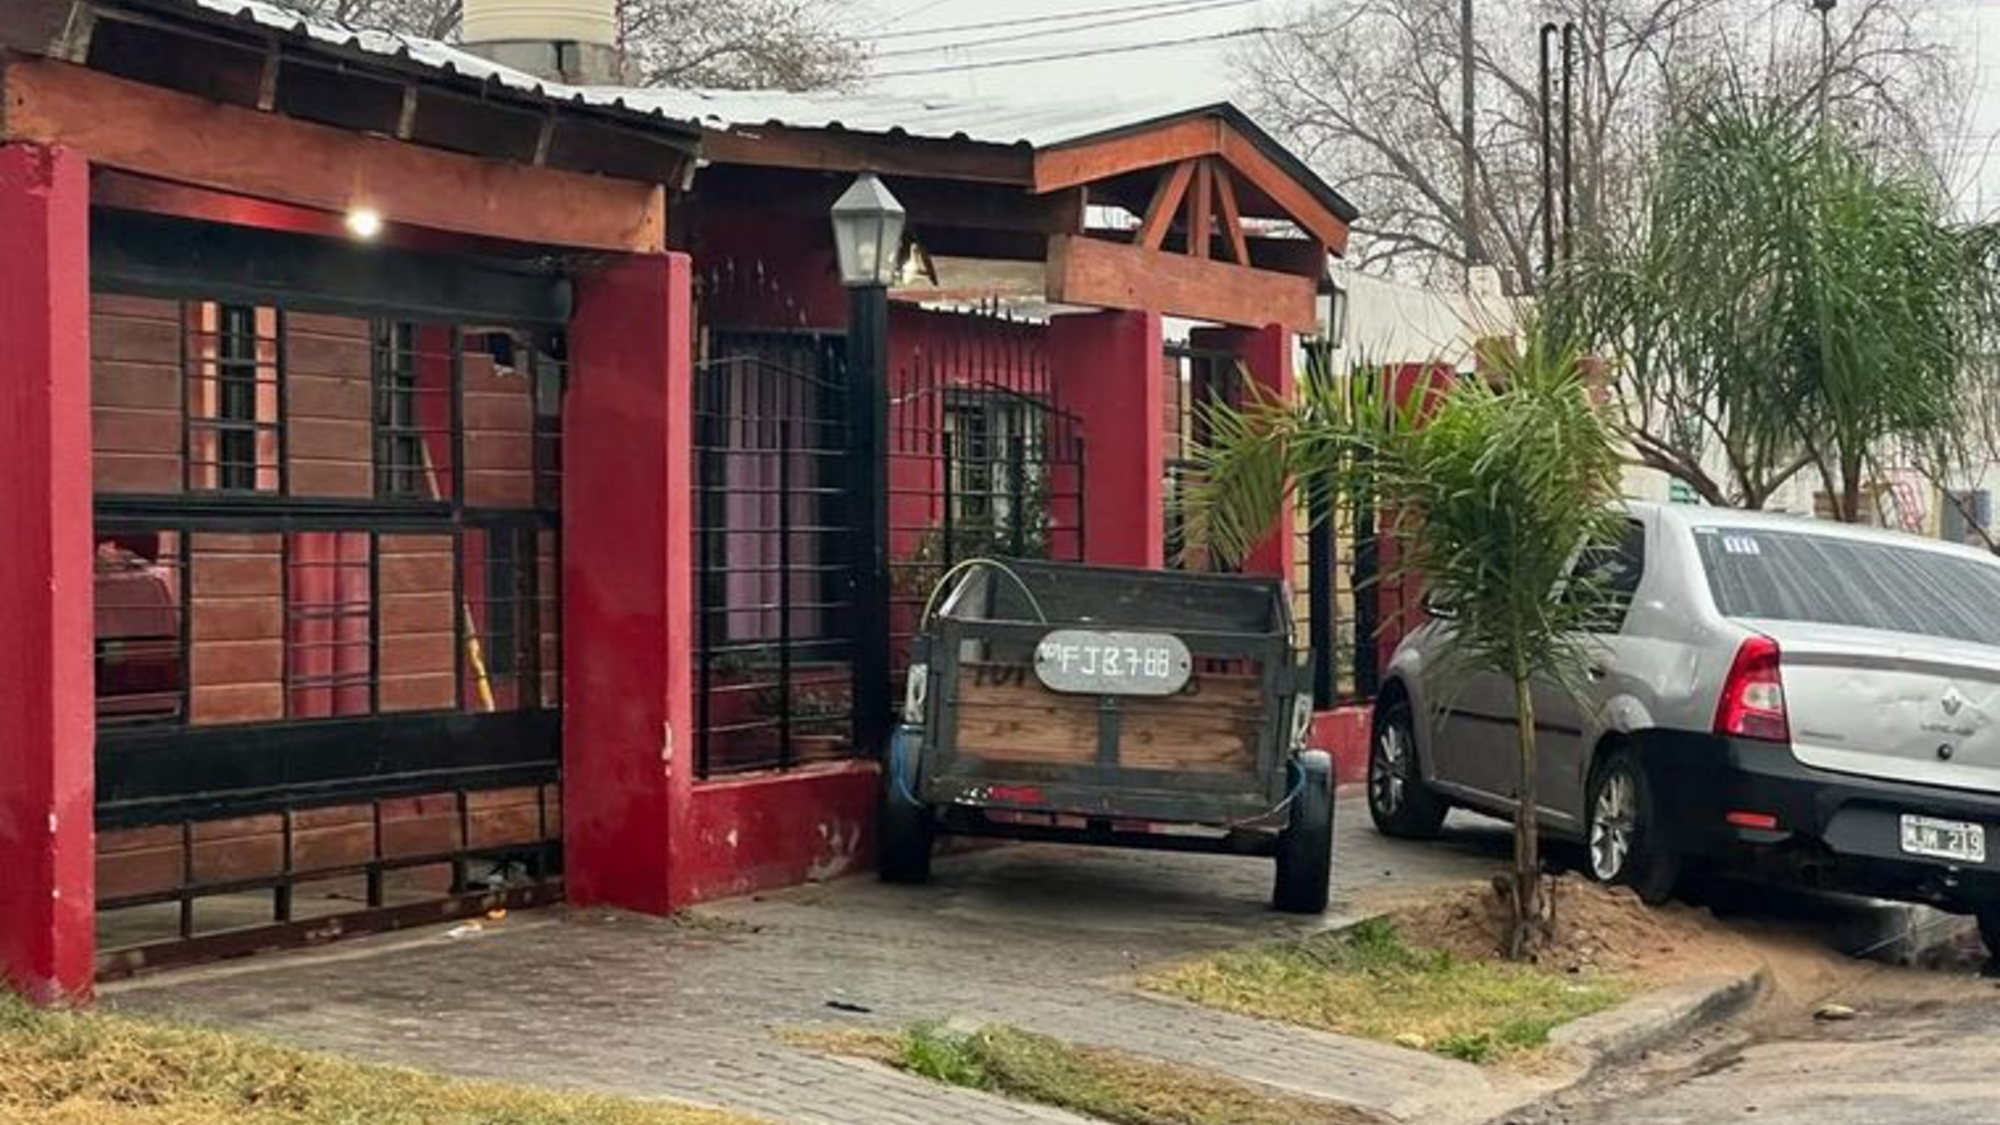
868, 236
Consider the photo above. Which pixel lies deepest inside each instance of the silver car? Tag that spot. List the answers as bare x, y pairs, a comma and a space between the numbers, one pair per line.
1773, 697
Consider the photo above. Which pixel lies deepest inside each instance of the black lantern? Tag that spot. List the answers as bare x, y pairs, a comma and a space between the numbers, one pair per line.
867, 232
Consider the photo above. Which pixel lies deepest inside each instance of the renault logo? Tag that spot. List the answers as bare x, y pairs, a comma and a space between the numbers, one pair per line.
1952, 701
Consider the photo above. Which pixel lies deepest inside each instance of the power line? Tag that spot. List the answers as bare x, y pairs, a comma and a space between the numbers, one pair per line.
1026, 21
912, 14
1094, 52
1016, 37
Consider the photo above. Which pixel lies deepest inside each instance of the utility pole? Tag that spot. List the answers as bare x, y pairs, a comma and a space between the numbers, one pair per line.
1825, 9
1470, 201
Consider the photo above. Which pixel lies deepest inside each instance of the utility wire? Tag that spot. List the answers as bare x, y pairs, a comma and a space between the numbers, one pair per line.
1130, 48
1016, 37
1025, 21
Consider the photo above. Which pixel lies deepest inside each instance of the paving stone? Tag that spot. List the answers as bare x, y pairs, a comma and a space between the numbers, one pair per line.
1043, 937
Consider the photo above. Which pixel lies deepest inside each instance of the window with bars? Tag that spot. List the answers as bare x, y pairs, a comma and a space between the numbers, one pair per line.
233, 419
329, 624
994, 457
399, 441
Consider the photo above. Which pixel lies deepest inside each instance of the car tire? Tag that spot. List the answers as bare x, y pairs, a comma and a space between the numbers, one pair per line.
1627, 840
905, 830
1399, 802
1305, 846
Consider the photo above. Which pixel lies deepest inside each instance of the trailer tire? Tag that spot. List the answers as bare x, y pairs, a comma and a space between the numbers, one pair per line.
905, 828
1305, 846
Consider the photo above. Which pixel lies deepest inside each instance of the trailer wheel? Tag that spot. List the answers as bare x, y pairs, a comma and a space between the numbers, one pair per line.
1305, 847
904, 828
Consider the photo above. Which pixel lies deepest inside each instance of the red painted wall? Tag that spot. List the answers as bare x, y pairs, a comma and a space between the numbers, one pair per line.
760, 831
47, 758
1343, 732
1110, 368
759, 267
628, 626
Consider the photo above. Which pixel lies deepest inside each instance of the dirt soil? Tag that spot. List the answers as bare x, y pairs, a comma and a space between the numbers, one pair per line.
1598, 930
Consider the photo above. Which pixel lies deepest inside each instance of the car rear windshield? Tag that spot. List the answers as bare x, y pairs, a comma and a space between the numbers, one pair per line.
1797, 576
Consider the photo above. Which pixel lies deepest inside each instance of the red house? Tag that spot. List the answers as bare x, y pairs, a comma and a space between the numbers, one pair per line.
430, 491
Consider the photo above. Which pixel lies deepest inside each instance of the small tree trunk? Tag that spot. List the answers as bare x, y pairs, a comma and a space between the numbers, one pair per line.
1529, 905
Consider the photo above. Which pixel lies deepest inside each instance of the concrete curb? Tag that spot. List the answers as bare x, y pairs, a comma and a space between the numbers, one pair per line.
1652, 1020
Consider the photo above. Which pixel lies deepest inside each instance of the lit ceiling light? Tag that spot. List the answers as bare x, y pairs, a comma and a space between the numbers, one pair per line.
364, 222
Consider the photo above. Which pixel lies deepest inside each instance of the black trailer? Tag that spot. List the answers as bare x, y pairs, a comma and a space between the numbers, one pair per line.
1097, 705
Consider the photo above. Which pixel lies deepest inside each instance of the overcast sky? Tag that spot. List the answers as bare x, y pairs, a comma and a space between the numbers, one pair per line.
1176, 76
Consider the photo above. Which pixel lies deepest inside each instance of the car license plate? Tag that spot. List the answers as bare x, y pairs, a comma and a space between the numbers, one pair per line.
1088, 662
1944, 839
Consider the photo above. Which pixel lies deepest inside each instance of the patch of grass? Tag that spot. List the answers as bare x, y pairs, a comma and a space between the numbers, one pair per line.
85, 1068
1369, 981
1092, 1081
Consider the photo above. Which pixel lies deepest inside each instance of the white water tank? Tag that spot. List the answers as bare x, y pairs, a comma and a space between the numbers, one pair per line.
549, 21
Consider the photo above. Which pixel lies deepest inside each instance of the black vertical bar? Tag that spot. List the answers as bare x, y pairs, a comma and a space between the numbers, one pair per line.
187, 880
868, 414
946, 548
529, 631
458, 622
461, 873
1319, 591
374, 623
185, 614
1077, 506
1549, 32
456, 420
1017, 490
374, 877
187, 382
284, 388
706, 437
287, 615
784, 418
1367, 591
1571, 37
281, 897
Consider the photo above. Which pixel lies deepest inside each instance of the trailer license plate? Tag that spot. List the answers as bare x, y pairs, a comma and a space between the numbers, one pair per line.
1944, 839
1088, 662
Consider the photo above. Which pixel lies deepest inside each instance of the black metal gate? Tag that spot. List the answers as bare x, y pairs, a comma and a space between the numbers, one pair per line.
983, 460
326, 599
775, 629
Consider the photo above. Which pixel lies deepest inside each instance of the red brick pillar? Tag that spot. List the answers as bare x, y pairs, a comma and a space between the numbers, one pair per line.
1108, 367
1266, 353
628, 563
47, 754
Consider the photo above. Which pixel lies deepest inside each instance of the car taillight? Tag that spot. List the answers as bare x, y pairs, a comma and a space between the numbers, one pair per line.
1753, 697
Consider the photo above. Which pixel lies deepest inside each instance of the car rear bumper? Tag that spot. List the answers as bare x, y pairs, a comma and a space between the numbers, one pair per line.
1838, 831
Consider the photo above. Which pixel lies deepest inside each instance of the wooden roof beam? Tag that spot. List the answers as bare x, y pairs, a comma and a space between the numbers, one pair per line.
1300, 205
1232, 215
1165, 205
184, 139
1116, 275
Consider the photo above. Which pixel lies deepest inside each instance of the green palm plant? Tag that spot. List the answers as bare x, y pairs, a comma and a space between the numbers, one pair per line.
1494, 486
1789, 300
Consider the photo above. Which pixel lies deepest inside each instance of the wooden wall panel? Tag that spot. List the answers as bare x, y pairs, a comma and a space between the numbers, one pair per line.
417, 658
329, 377
135, 381
499, 433
236, 623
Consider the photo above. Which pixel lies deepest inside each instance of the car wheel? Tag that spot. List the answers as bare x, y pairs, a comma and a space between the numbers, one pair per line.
1305, 847
1398, 800
1627, 841
905, 828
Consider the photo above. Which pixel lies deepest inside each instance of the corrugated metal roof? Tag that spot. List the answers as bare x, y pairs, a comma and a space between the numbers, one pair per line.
1038, 124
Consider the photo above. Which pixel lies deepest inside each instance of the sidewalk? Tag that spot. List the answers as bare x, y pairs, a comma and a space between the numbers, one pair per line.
1042, 937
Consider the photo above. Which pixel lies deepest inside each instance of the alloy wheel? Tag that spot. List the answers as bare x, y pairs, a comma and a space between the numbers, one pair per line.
1613, 825
1389, 769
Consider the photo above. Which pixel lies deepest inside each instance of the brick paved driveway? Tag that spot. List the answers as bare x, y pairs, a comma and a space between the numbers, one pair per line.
1040, 936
